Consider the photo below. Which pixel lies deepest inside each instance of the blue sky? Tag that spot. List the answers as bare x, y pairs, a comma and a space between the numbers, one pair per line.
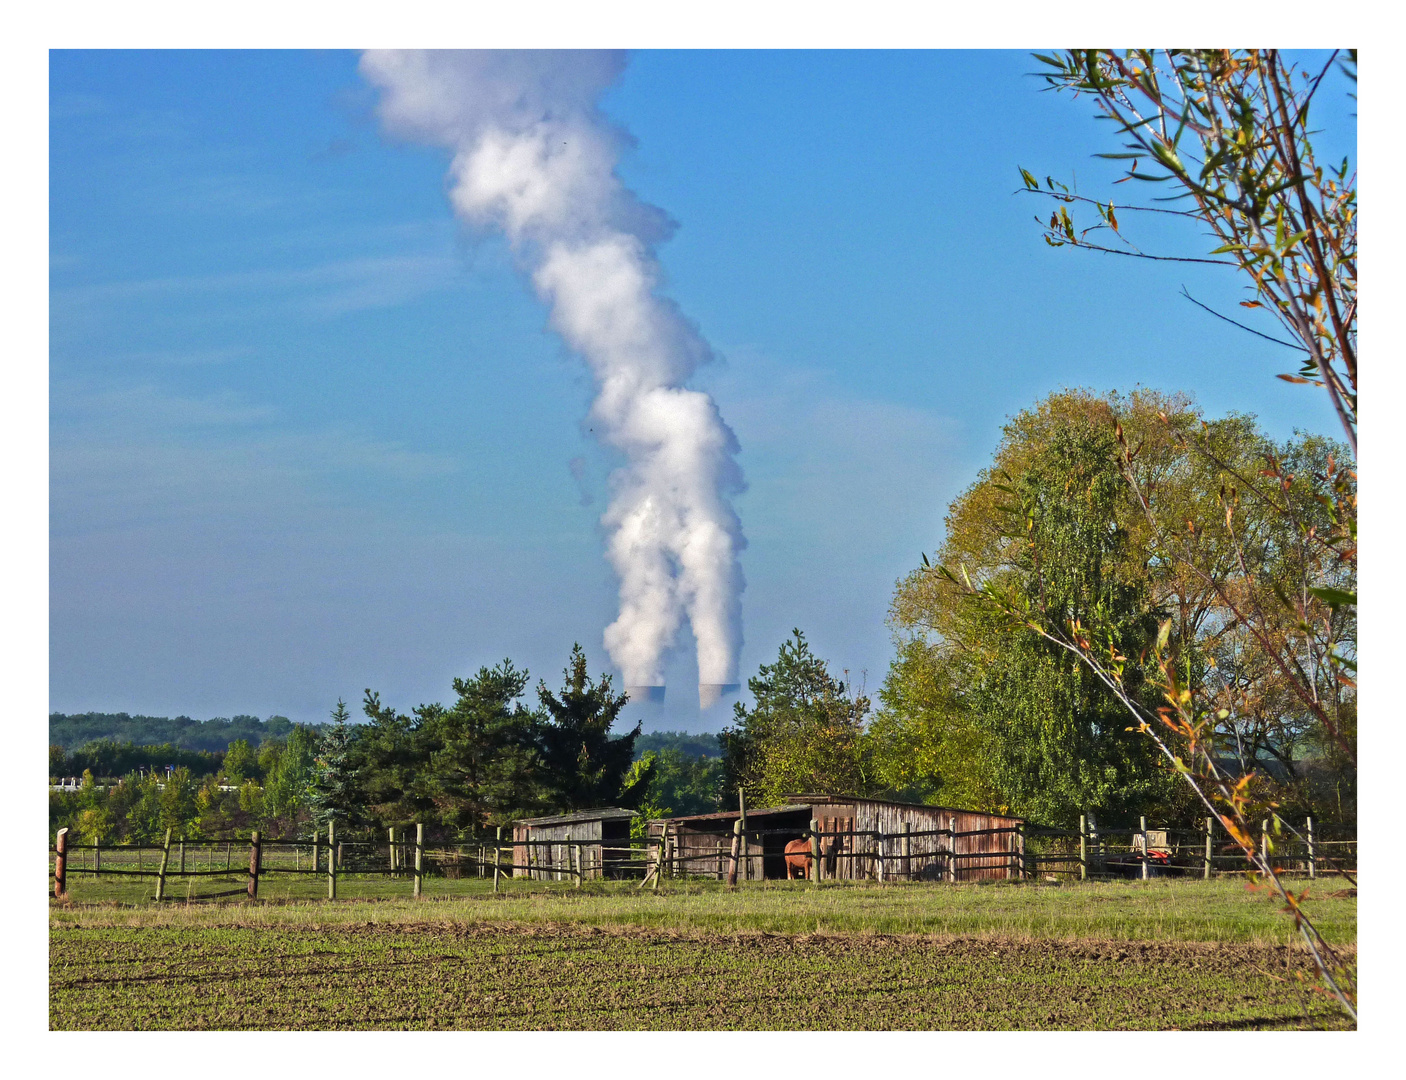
307, 436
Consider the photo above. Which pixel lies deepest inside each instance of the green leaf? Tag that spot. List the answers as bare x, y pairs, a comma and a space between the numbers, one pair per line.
1334, 598
1030, 181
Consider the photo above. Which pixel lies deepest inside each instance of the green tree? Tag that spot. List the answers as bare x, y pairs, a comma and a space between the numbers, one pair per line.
240, 763
1006, 719
288, 783
141, 804
267, 758
482, 764
386, 758
332, 793
804, 732
178, 810
686, 783
584, 766
928, 744
214, 809
251, 802
1069, 528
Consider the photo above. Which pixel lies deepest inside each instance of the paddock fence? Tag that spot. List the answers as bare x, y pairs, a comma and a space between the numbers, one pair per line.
185, 869
1302, 848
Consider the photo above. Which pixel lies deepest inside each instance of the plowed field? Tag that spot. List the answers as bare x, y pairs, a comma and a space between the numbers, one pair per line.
544, 976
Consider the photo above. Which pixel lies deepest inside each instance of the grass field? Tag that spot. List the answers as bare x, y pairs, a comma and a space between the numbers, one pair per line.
1159, 954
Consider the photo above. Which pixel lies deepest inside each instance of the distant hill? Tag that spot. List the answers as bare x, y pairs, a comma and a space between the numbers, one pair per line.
79, 729
690, 746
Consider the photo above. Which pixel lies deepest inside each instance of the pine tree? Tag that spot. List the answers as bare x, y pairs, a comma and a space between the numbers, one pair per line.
481, 758
333, 793
805, 732
585, 767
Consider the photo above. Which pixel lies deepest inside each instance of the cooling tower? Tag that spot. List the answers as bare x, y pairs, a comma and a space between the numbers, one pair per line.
710, 693
641, 694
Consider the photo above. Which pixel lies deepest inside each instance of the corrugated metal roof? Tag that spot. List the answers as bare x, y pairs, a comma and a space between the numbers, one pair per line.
604, 813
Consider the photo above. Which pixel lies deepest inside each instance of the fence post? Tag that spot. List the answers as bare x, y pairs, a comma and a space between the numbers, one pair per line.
97, 857
227, 854
952, 850
1083, 848
255, 857
1142, 831
736, 844
1210, 827
331, 859
746, 846
61, 864
183, 854
419, 858
497, 856
1308, 832
161, 874
390, 848
814, 851
316, 850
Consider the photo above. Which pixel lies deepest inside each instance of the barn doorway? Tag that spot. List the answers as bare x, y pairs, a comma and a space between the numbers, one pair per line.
781, 828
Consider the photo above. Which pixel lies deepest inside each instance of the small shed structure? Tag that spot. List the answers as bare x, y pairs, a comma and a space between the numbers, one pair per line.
862, 839
547, 848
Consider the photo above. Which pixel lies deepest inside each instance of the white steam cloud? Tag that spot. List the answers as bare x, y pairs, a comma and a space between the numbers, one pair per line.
535, 157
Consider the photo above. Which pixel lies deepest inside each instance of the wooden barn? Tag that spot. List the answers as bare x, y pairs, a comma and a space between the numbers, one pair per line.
546, 847
863, 838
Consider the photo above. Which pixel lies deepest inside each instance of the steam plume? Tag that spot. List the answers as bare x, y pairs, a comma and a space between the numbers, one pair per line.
535, 157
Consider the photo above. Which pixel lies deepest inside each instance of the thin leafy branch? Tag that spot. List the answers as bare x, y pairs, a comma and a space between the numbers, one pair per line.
1229, 130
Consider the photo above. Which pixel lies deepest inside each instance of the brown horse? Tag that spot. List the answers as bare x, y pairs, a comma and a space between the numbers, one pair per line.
798, 859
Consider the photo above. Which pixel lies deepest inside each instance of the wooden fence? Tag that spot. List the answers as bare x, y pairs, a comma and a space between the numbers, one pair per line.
1095, 851
1034, 852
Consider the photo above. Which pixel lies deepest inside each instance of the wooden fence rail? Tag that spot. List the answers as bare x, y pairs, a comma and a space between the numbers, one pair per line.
884, 856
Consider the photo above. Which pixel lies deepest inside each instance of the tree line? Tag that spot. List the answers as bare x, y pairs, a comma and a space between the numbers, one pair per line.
212, 736
463, 768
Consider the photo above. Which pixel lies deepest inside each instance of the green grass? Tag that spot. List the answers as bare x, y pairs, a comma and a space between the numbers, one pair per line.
1158, 954
1163, 909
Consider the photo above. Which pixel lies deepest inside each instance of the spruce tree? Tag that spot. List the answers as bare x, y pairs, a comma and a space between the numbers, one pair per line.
333, 792
585, 766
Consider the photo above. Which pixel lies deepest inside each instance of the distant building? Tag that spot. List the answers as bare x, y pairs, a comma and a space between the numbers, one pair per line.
863, 839
547, 848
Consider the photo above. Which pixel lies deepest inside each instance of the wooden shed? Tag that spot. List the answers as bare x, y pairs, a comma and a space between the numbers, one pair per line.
545, 847
864, 839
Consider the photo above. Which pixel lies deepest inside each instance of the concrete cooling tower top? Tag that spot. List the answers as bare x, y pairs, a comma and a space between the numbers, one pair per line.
641, 694
710, 693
